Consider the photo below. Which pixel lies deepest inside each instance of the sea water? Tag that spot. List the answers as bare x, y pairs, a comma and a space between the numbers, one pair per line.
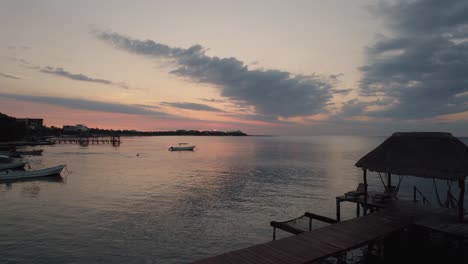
140, 203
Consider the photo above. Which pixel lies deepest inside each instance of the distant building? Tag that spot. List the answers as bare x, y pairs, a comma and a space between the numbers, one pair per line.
76, 128
32, 123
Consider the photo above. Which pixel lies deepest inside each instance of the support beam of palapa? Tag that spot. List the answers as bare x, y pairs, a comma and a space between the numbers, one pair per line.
365, 179
461, 185
389, 180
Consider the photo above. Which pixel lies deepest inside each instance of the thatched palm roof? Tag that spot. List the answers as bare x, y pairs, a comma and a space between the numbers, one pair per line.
421, 154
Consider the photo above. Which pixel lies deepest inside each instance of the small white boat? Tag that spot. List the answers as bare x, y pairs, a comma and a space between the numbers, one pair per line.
13, 165
182, 147
16, 175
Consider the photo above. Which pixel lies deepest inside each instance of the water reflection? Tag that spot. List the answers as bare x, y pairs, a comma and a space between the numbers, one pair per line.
30, 191
53, 178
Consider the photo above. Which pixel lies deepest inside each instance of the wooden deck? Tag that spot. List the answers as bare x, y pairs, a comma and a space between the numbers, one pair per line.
328, 241
317, 244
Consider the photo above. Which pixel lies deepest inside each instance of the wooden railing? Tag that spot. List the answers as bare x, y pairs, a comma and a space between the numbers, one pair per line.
417, 191
293, 230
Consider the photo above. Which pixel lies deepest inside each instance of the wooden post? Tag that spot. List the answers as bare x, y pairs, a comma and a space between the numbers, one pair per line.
364, 206
461, 197
338, 205
389, 180
365, 181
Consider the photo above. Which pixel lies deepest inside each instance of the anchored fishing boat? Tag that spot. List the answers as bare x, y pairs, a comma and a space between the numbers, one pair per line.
35, 152
10, 154
4, 158
17, 175
13, 165
182, 147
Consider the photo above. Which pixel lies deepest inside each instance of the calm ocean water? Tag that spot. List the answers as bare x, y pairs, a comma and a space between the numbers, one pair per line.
174, 207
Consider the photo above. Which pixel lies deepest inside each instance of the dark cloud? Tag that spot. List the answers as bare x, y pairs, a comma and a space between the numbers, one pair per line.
9, 76
341, 91
356, 107
147, 106
79, 77
353, 107
241, 107
423, 68
192, 106
256, 117
425, 16
270, 92
212, 100
58, 71
84, 104
73, 76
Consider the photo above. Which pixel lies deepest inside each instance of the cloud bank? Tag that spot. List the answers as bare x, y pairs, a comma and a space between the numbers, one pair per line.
421, 71
270, 92
91, 105
192, 106
79, 77
211, 100
9, 76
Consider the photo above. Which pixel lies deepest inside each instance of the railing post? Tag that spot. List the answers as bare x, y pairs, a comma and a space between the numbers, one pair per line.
461, 212
338, 205
414, 193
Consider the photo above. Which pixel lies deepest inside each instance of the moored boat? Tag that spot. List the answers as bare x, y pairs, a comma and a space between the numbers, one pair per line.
17, 175
35, 152
13, 165
4, 158
10, 154
182, 147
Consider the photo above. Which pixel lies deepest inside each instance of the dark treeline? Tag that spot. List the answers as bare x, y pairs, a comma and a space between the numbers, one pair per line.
97, 131
10, 129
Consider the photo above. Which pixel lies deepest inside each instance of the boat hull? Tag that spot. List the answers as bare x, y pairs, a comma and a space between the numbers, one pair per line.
30, 152
188, 148
16, 175
11, 166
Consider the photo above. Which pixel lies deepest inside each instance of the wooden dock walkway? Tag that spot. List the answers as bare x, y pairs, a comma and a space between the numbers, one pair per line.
329, 241
114, 140
318, 244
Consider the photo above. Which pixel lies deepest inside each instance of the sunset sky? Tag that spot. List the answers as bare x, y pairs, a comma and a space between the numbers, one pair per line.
263, 67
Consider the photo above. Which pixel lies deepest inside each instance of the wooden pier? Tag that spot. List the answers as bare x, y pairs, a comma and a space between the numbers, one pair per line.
114, 140
319, 244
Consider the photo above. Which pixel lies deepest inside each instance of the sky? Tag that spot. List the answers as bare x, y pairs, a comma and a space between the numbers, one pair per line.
336, 67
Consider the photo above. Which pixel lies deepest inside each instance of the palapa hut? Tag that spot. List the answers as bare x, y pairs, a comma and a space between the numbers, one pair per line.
420, 154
